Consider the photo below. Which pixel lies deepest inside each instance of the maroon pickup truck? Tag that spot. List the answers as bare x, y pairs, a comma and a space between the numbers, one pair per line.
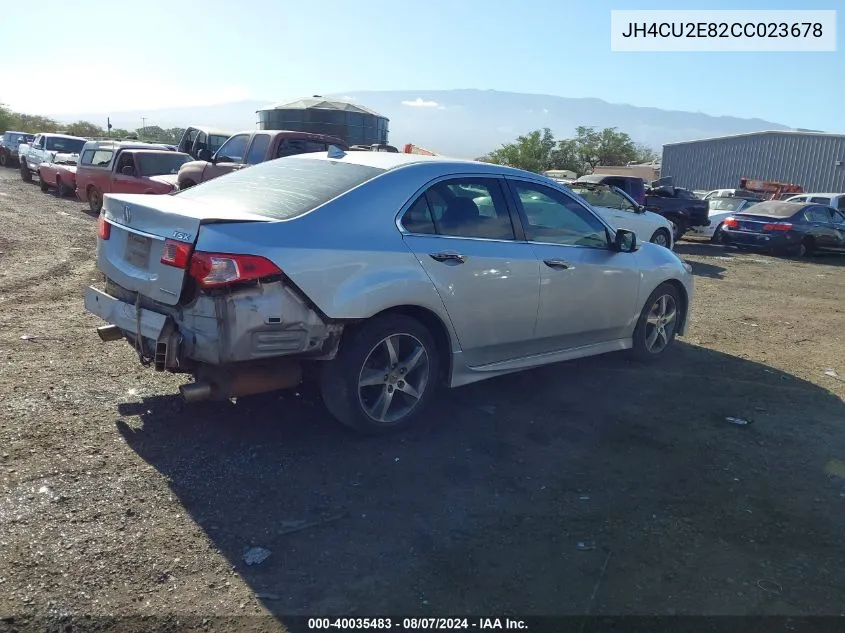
250, 148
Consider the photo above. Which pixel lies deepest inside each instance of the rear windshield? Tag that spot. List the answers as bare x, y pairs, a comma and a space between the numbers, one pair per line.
775, 209
160, 164
65, 145
285, 188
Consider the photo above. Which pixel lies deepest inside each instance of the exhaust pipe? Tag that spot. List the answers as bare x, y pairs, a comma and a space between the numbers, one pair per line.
215, 383
109, 333
196, 391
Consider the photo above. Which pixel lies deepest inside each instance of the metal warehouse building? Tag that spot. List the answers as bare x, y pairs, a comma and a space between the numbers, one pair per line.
813, 160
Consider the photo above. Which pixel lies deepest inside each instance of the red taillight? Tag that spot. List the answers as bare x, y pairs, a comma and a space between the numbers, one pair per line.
220, 269
103, 227
730, 223
176, 254
779, 226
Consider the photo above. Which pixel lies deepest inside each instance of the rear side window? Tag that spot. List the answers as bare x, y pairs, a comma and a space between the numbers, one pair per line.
841, 205
102, 157
282, 190
820, 200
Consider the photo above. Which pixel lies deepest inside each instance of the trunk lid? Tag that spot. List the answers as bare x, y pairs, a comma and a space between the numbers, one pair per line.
140, 224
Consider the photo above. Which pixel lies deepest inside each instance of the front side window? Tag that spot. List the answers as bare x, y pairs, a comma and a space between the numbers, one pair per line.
258, 149
820, 200
463, 207
556, 218
234, 149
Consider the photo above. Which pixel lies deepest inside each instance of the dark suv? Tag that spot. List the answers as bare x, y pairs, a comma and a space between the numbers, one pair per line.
9, 147
634, 187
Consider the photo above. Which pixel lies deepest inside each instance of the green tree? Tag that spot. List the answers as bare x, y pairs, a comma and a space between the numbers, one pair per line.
645, 154
565, 156
532, 152
85, 128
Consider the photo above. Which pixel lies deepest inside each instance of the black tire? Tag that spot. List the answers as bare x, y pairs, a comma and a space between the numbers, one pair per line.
95, 199
26, 175
662, 238
43, 183
680, 228
717, 234
347, 400
4, 159
61, 189
806, 248
641, 349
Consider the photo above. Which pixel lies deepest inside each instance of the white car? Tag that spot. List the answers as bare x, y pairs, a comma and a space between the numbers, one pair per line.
835, 200
620, 210
720, 208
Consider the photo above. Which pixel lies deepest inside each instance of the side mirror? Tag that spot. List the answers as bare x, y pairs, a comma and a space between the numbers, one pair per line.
625, 241
128, 171
204, 154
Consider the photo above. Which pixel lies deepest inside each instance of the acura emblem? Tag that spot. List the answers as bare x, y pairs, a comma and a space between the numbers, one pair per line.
127, 213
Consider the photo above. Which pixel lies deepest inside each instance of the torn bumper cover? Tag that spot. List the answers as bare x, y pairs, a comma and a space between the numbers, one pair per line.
261, 322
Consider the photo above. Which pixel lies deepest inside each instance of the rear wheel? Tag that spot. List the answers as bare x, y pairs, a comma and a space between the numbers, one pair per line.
680, 228
383, 375
662, 238
717, 234
44, 186
95, 200
4, 159
806, 248
61, 189
26, 175
658, 323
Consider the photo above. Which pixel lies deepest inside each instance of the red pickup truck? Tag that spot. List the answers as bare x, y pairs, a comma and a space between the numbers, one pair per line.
59, 172
115, 167
250, 148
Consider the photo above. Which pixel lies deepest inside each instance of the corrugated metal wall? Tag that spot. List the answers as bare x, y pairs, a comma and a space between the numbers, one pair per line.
808, 160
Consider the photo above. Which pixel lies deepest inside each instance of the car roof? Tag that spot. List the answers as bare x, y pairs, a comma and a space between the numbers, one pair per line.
210, 130
123, 145
778, 208
389, 161
155, 150
74, 138
826, 195
600, 177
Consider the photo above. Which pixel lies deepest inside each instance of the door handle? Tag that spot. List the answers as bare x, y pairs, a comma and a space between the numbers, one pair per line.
448, 257
558, 263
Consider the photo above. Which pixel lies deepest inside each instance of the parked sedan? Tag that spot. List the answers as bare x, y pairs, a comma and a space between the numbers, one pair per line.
620, 210
782, 227
721, 208
379, 275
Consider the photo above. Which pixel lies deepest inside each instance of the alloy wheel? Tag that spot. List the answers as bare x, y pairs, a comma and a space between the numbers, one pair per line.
394, 378
660, 323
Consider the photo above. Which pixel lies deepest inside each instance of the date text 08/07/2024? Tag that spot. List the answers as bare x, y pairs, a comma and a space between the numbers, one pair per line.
416, 624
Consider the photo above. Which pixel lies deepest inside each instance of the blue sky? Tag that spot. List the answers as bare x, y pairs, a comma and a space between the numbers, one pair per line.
106, 56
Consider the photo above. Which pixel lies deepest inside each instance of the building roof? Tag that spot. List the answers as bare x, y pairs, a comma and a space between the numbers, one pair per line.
319, 103
761, 133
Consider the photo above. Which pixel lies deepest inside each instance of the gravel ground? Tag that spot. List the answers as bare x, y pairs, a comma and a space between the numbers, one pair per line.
597, 485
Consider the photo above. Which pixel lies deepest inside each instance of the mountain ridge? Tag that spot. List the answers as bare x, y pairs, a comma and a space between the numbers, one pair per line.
468, 122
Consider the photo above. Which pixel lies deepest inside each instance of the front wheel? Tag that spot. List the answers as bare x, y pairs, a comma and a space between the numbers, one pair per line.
61, 189
383, 375
4, 159
95, 200
662, 238
44, 186
26, 175
658, 323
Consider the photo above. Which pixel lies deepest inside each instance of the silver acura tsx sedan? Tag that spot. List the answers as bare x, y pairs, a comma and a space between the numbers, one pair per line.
383, 276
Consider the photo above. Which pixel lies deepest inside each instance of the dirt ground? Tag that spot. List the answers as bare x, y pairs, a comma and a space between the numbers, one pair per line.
596, 486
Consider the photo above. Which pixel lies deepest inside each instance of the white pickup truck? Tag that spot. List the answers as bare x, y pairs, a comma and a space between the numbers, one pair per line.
43, 148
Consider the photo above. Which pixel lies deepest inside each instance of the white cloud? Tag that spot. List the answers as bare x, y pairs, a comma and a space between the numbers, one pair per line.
421, 103
545, 111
